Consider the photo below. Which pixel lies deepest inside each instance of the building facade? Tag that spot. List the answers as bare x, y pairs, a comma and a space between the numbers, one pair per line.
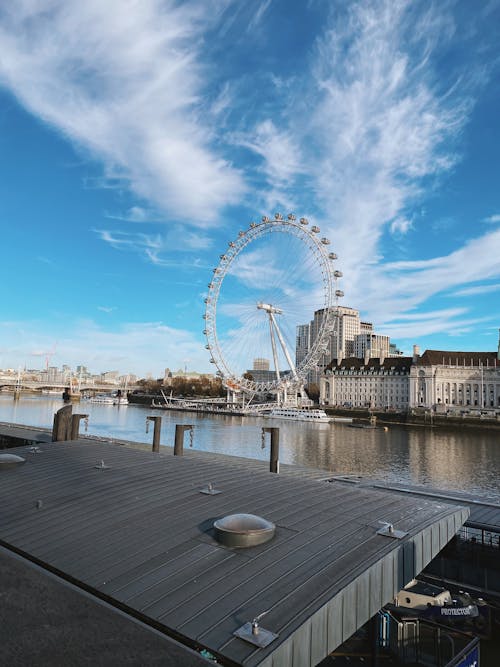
375, 383
437, 380
447, 380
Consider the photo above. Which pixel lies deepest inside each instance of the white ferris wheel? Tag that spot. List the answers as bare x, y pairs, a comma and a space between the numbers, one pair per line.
269, 281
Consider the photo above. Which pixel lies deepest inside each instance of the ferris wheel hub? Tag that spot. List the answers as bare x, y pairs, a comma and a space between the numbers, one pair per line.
269, 308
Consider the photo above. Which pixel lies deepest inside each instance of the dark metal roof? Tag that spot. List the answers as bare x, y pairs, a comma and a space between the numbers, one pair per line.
450, 358
399, 364
139, 533
484, 512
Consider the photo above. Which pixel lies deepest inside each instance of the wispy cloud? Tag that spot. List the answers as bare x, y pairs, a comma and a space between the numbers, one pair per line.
493, 219
125, 81
401, 226
259, 14
409, 285
106, 309
136, 214
478, 289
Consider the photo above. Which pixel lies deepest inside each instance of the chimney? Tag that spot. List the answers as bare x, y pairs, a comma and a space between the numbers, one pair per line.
416, 353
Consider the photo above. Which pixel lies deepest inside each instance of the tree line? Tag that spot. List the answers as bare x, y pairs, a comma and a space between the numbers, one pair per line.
182, 386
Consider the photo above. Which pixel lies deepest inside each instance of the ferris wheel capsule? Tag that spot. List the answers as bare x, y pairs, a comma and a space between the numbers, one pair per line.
339, 293
278, 216
315, 229
291, 217
332, 255
265, 218
325, 241
337, 274
304, 221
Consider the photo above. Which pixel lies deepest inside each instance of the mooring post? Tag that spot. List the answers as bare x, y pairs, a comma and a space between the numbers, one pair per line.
157, 430
75, 425
62, 424
274, 462
179, 438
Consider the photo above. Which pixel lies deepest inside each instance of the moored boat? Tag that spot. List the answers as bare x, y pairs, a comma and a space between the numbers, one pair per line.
299, 414
115, 398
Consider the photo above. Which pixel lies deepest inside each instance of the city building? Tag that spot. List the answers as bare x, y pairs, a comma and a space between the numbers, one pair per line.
260, 364
438, 380
448, 380
303, 342
350, 337
169, 376
375, 345
373, 383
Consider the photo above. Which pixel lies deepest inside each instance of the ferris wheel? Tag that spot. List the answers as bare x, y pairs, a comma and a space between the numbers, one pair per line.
269, 281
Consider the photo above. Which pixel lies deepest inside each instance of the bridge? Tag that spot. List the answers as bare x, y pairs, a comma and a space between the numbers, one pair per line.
41, 385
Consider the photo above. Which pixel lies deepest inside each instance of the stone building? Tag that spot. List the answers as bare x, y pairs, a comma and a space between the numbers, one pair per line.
375, 383
444, 379
439, 380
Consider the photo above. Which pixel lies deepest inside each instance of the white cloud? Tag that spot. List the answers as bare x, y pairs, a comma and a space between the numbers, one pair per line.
406, 286
158, 248
401, 225
478, 289
259, 14
137, 348
493, 219
124, 81
136, 214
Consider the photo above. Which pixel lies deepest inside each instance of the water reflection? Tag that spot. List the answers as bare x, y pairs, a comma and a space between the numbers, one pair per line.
460, 459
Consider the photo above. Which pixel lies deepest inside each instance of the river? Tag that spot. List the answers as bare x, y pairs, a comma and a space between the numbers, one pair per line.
443, 458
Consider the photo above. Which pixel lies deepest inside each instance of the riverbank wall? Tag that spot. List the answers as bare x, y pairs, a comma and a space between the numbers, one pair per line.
419, 418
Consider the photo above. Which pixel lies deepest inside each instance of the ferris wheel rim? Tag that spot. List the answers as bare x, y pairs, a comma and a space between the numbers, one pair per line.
329, 276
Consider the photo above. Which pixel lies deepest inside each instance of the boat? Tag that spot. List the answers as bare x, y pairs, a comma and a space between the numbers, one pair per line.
299, 414
115, 398
371, 425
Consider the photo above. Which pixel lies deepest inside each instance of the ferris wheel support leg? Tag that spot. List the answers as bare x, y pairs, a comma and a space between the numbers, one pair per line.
284, 348
273, 345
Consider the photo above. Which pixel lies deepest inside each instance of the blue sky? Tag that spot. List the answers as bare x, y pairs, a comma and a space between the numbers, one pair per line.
138, 138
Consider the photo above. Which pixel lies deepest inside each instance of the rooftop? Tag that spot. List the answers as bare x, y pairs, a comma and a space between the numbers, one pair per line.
138, 533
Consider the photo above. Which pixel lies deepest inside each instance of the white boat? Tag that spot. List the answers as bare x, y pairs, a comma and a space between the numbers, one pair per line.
109, 399
299, 414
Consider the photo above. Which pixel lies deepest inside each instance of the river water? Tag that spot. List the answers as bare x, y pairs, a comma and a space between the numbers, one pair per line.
443, 458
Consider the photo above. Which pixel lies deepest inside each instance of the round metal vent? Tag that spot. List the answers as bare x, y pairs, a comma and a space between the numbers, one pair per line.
243, 530
10, 460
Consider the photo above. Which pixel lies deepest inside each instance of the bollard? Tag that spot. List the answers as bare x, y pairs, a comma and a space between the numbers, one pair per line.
75, 425
157, 430
62, 424
274, 463
179, 438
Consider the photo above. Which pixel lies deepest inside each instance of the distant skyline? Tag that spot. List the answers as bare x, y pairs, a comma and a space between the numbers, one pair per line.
137, 139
